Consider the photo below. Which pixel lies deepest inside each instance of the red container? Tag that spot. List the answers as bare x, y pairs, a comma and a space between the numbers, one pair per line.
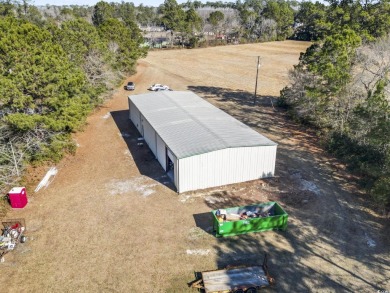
18, 197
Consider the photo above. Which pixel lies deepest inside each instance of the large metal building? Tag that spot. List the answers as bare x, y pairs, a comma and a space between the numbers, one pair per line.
197, 144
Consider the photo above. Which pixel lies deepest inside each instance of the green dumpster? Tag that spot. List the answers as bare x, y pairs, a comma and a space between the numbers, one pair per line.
252, 218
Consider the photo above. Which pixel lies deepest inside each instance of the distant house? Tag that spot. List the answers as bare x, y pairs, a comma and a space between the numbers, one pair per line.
152, 28
156, 42
156, 37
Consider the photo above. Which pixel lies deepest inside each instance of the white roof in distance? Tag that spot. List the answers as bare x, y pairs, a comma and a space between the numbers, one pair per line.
191, 126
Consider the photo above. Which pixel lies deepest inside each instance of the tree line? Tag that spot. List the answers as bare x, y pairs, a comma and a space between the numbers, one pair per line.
54, 71
341, 86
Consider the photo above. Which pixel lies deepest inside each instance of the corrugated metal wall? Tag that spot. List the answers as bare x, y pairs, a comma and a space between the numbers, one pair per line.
226, 167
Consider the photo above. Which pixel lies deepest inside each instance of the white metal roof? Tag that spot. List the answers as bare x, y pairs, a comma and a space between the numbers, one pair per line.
190, 125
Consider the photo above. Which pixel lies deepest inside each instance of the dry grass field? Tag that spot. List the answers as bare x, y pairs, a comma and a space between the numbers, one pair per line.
112, 222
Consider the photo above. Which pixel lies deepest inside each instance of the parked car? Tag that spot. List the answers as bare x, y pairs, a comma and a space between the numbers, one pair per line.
159, 87
130, 86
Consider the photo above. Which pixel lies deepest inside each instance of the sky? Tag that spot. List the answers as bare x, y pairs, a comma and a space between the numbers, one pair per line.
93, 2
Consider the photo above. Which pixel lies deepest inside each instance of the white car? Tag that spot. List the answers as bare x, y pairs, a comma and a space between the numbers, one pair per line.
159, 87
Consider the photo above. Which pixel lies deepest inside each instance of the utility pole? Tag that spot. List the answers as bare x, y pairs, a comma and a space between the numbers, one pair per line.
257, 74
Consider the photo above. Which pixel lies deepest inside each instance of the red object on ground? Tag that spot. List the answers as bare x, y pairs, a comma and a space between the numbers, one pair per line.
18, 197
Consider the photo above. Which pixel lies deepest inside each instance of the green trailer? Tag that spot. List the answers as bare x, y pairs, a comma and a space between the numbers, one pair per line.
246, 219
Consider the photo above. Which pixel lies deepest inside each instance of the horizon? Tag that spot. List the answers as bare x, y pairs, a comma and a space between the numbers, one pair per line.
154, 3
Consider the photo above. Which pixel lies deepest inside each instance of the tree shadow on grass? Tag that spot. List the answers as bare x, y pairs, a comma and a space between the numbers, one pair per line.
331, 237
240, 97
290, 257
327, 246
239, 103
143, 157
298, 145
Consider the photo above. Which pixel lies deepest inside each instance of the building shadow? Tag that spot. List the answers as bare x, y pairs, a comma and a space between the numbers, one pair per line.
204, 221
143, 157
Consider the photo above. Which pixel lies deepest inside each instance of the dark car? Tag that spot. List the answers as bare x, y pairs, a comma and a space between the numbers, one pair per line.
130, 86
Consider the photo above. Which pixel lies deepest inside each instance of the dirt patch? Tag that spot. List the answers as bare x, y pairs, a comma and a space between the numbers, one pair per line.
112, 221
